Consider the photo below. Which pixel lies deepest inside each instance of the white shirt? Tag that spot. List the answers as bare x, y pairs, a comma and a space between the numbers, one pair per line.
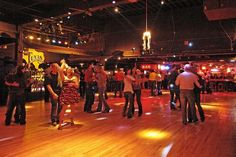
128, 83
186, 80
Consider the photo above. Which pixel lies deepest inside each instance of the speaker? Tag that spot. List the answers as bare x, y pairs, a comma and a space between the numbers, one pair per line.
220, 9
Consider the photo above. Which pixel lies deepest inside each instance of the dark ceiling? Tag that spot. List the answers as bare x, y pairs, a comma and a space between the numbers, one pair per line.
84, 13
22, 11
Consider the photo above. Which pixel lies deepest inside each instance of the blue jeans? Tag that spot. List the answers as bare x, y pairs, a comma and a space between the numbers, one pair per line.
55, 110
153, 87
174, 95
137, 93
129, 100
89, 97
17, 101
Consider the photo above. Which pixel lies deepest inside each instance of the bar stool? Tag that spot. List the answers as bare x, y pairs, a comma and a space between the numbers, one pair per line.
221, 87
213, 86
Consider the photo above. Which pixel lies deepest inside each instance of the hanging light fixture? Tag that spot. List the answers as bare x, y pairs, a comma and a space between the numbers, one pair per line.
146, 35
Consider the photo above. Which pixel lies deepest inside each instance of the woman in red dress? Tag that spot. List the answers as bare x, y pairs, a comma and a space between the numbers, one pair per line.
69, 95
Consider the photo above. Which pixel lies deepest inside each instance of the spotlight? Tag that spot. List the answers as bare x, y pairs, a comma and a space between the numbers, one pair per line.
59, 42
113, 2
69, 13
47, 40
31, 37
76, 43
66, 43
162, 2
190, 44
119, 58
38, 38
36, 20
53, 41
68, 17
105, 59
116, 9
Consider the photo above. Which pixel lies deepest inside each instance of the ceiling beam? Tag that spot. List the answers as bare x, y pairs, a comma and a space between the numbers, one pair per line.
80, 11
18, 7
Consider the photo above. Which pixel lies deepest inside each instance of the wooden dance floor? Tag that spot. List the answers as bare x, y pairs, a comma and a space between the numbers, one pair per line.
158, 133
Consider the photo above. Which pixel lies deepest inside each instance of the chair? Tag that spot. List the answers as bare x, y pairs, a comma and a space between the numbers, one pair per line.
221, 87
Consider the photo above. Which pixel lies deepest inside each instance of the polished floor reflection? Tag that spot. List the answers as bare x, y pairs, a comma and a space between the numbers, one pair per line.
158, 133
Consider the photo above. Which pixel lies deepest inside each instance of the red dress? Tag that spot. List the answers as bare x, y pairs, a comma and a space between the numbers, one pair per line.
69, 95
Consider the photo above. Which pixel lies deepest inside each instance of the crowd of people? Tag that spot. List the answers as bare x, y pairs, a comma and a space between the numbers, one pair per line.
66, 87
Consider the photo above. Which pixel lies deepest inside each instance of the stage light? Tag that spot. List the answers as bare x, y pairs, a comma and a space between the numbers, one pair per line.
190, 44
47, 40
68, 17
146, 40
38, 38
214, 70
113, 2
68, 110
174, 56
66, 43
59, 42
116, 9
105, 59
53, 41
119, 58
69, 13
31, 37
162, 2
36, 20
76, 43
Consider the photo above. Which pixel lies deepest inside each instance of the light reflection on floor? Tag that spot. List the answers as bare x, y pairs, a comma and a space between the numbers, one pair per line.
166, 150
101, 118
153, 134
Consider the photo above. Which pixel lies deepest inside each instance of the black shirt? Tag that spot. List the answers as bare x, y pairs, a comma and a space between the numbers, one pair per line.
81, 76
173, 77
52, 79
21, 79
200, 80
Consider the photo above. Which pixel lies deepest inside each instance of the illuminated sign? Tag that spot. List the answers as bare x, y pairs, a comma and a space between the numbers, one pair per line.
33, 56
